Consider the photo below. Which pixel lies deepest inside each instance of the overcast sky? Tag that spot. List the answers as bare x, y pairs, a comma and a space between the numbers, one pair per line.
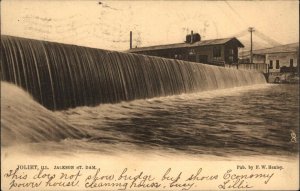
107, 24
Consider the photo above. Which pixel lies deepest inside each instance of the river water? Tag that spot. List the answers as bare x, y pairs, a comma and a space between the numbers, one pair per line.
245, 125
245, 121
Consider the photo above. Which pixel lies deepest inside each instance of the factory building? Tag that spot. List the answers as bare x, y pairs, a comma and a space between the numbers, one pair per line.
280, 59
283, 60
216, 51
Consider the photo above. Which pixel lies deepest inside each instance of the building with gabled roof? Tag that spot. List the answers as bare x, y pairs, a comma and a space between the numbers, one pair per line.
283, 58
215, 51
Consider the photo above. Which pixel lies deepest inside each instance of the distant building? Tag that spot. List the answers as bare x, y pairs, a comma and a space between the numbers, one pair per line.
280, 59
283, 61
216, 51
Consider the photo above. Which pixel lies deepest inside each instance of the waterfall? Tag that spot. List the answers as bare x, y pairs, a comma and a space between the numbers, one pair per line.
61, 76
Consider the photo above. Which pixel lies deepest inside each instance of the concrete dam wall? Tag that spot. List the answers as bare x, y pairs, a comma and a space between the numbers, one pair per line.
61, 76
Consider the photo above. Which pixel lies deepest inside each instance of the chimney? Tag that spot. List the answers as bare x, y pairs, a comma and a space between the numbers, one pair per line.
130, 46
193, 37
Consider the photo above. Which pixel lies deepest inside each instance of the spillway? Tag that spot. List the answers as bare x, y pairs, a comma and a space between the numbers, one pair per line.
61, 76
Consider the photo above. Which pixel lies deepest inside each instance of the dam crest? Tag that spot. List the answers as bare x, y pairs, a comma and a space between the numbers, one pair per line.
61, 76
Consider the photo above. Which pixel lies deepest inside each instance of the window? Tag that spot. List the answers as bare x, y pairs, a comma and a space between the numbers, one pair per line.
271, 64
277, 64
291, 63
217, 52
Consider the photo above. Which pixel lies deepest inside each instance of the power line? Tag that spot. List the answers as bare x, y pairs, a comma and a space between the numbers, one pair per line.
240, 34
268, 39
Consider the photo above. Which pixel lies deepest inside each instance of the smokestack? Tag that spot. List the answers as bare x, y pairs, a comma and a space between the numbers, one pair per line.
192, 37
130, 40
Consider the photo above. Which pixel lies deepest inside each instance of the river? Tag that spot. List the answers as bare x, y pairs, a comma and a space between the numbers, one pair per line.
244, 121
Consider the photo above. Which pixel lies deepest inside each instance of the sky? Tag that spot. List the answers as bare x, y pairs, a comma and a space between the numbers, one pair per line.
106, 24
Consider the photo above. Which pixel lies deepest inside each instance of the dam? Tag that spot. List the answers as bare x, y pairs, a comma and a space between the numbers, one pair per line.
139, 104
61, 76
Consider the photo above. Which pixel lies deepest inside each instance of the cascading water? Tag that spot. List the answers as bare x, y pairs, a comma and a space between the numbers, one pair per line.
61, 76
23, 120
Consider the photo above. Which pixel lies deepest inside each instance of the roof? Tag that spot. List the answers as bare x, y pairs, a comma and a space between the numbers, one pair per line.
293, 47
188, 45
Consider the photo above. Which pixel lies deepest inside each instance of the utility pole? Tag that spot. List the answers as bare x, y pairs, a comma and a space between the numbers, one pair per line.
251, 29
130, 40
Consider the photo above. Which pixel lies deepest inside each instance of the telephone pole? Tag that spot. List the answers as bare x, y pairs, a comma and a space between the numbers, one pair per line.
251, 29
130, 40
